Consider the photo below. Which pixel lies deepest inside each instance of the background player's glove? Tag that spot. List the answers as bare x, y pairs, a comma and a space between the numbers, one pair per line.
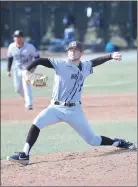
35, 79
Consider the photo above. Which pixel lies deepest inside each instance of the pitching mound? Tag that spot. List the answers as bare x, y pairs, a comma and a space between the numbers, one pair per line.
98, 166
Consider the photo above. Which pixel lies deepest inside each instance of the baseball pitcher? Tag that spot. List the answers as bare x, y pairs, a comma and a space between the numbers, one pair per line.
21, 53
66, 100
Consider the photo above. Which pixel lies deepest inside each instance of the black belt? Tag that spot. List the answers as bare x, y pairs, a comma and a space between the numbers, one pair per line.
66, 104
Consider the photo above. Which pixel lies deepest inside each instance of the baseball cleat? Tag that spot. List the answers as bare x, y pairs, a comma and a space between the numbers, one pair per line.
19, 157
125, 144
30, 107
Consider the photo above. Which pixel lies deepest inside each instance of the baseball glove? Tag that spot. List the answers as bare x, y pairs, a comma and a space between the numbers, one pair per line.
35, 79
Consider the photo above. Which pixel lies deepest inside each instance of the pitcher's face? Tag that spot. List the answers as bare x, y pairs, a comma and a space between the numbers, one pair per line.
74, 54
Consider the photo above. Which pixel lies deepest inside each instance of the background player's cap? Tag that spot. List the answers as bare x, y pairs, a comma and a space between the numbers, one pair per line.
18, 33
76, 45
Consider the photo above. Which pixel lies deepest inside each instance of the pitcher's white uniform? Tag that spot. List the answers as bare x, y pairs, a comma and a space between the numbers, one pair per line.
68, 83
21, 58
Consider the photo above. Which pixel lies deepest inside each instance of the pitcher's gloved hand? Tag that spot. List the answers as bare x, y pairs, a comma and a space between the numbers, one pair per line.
35, 79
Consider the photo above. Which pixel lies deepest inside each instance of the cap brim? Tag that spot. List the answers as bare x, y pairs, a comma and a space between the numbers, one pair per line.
17, 36
74, 48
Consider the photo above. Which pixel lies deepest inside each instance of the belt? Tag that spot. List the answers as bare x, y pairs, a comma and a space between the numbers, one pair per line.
66, 104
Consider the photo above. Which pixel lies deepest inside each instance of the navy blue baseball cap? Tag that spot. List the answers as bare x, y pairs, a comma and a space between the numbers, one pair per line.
75, 45
18, 33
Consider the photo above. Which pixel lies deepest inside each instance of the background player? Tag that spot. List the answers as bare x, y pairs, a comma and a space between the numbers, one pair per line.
66, 100
21, 53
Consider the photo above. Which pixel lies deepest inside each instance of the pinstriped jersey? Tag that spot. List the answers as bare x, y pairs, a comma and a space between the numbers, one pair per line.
69, 80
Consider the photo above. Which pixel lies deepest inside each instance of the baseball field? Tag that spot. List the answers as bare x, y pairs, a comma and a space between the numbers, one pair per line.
60, 157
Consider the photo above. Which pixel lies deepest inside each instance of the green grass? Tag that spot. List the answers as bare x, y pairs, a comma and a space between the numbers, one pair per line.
60, 137
109, 78
113, 78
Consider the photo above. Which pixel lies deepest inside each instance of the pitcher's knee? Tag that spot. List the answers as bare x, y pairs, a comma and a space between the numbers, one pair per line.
94, 141
40, 121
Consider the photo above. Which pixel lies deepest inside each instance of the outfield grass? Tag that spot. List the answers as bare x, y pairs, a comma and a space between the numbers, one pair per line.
60, 137
109, 78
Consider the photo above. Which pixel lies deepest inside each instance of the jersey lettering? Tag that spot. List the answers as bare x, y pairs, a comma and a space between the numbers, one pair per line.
69, 79
23, 56
74, 76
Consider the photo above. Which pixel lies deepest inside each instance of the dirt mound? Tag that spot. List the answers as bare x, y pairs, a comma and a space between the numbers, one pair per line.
107, 107
98, 166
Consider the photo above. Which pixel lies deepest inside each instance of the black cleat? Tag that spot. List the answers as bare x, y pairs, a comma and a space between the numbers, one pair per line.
125, 144
19, 157
30, 107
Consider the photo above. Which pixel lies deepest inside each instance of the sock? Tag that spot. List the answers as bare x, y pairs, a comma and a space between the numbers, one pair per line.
107, 141
26, 149
31, 139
